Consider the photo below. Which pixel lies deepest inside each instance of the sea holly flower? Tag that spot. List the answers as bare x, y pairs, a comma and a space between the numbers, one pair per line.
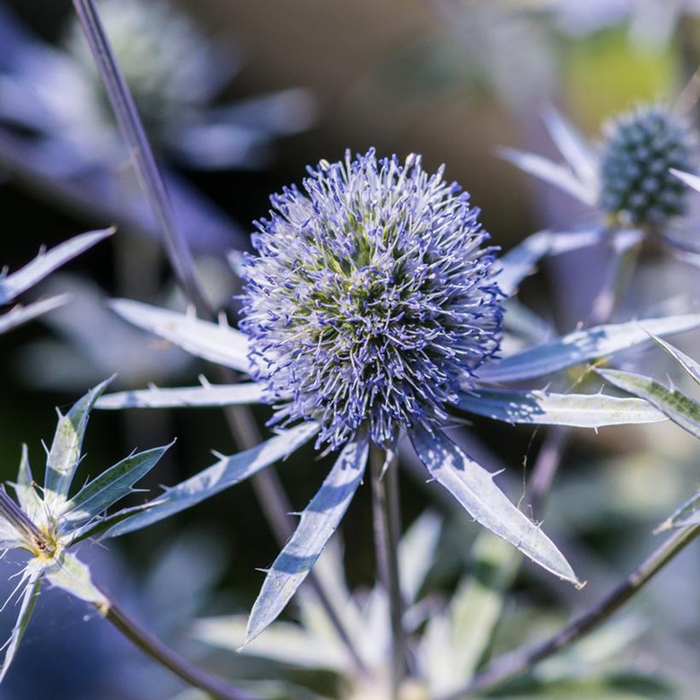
47, 521
373, 311
627, 181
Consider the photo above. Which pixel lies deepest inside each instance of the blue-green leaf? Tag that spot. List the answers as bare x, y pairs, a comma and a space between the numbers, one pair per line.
196, 396
22, 314
224, 473
64, 454
689, 365
582, 346
544, 408
46, 262
318, 522
214, 342
681, 409
110, 486
475, 489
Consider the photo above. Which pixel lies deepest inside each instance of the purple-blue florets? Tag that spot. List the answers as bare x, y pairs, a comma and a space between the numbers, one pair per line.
372, 299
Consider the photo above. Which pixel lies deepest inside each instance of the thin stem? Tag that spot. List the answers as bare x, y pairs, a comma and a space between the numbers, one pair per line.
147, 170
165, 656
520, 661
548, 460
385, 511
267, 487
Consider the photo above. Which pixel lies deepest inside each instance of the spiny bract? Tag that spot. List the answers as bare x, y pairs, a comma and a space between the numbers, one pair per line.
372, 299
636, 186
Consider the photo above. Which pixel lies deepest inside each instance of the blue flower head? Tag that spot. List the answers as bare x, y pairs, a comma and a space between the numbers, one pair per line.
640, 147
372, 299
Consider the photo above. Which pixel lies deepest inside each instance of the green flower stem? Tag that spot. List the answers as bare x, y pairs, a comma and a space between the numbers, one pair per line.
162, 654
511, 665
385, 511
268, 488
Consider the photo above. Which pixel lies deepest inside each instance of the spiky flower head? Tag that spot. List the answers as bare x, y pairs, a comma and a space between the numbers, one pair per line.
372, 299
640, 146
167, 61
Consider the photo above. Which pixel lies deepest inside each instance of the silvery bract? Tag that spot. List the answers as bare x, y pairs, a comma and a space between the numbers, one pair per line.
46, 521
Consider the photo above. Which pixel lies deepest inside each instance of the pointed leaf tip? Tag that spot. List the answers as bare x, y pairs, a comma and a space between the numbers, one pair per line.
318, 522
474, 487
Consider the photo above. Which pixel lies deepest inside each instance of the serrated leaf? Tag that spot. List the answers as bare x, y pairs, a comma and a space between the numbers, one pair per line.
31, 579
45, 263
197, 396
64, 455
582, 346
96, 529
475, 489
555, 174
689, 365
22, 314
219, 476
210, 341
112, 485
70, 574
681, 409
544, 408
318, 522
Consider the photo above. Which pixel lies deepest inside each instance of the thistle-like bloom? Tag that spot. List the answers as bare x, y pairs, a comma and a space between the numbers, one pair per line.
372, 301
373, 310
46, 522
640, 147
627, 180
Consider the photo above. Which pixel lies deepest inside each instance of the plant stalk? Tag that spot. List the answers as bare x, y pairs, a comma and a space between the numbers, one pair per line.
162, 654
386, 516
513, 664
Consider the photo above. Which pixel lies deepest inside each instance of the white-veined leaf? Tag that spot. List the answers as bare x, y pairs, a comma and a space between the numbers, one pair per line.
318, 522
544, 408
681, 409
64, 455
219, 476
475, 489
689, 365
46, 262
214, 342
196, 396
112, 485
582, 346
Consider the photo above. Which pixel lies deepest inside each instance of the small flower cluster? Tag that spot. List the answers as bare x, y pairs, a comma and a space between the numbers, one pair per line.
372, 299
636, 187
